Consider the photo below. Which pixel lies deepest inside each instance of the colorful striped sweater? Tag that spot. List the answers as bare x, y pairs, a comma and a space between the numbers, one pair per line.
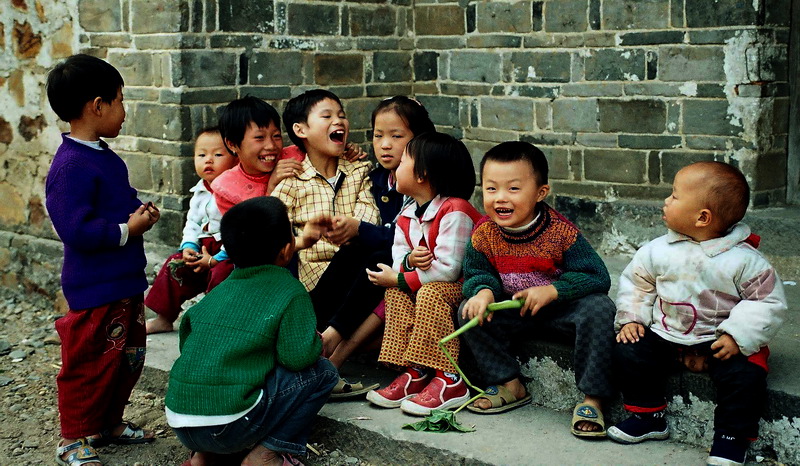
552, 252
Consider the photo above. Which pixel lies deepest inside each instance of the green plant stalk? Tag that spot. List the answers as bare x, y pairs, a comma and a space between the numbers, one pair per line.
510, 304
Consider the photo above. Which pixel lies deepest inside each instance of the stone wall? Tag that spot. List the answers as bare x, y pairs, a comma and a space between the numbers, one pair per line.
619, 93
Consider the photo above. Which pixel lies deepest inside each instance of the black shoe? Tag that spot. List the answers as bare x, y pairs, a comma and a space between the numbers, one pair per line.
640, 427
727, 450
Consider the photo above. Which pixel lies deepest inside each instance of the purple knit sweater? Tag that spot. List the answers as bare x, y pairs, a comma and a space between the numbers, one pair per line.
88, 195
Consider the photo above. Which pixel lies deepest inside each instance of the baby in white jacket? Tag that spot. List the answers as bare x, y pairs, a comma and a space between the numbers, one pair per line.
703, 296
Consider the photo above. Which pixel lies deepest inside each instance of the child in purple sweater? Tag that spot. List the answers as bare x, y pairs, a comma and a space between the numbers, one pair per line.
99, 219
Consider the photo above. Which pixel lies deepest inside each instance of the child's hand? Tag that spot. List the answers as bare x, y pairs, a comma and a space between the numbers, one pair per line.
725, 347
344, 228
630, 333
476, 306
353, 152
313, 231
285, 168
386, 277
536, 297
420, 258
203, 262
140, 221
155, 214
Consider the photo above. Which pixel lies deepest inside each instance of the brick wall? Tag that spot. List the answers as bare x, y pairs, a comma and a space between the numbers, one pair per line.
619, 93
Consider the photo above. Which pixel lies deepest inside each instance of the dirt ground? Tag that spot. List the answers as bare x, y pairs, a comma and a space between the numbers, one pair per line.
30, 358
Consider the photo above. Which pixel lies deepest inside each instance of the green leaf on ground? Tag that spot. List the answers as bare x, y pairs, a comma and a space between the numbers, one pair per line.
440, 420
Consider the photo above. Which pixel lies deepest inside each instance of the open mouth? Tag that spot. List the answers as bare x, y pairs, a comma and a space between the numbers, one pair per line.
266, 158
503, 212
337, 136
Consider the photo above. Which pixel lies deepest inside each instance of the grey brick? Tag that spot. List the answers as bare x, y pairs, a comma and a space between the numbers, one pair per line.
246, 16
140, 93
632, 116
139, 173
204, 68
641, 141
207, 96
538, 67
775, 12
380, 44
373, 21
338, 69
691, 64
508, 114
711, 36
472, 19
466, 89
168, 41
549, 139
646, 88
391, 66
118, 40
600, 39
441, 43
615, 65
708, 117
236, 41
568, 16
636, 14
594, 14
276, 68
653, 167
439, 20
615, 166
716, 143
100, 15
711, 90
575, 115
596, 139
136, 68
536, 91
312, 20
770, 171
652, 37
388, 90
475, 66
597, 89
443, 110
504, 17
157, 121
426, 66
537, 15
347, 91
673, 161
159, 17
557, 162
720, 13
490, 135
676, 14
267, 92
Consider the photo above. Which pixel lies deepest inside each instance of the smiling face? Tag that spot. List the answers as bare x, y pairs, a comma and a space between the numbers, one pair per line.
258, 153
210, 156
325, 130
511, 192
390, 136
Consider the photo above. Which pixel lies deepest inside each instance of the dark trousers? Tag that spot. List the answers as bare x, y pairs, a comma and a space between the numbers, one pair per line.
173, 286
344, 296
643, 367
102, 355
587, 321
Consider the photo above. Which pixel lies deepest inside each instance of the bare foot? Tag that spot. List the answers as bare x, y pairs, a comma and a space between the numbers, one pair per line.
588, 426
514, 386
158, 325
262, 456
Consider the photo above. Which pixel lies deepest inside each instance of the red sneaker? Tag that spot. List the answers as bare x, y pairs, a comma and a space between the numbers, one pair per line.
437, 395
402, 387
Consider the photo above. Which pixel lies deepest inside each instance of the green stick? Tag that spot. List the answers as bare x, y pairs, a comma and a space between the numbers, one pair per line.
510, 304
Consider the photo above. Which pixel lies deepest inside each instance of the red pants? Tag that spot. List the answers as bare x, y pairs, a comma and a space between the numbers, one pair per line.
102, 352
172, 287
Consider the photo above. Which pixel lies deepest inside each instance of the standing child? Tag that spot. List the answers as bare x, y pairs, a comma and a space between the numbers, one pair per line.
394, 122
422, 285
526, 250
702, 294
250, 375
99, 219
200, 263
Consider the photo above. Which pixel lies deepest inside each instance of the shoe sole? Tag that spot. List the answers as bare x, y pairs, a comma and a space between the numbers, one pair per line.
720, 461
354, 393
621, 437
414, 409
378, 400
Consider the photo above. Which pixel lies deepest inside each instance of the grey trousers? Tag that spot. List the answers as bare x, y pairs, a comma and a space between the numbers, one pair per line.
587, 321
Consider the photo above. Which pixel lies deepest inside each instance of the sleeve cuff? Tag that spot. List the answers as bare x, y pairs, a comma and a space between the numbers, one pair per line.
123, 237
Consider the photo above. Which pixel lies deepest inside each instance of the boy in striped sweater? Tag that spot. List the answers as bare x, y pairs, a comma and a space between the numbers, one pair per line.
526, 250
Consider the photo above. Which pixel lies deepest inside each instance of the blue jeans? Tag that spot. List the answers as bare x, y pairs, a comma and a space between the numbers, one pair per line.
281, 420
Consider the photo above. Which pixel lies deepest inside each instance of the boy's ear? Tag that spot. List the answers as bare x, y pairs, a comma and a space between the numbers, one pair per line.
544, 190
285, 254
93, 107
300, 130
231, 146
704, 218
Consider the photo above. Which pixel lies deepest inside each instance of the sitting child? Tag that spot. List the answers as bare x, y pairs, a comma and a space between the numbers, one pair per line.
200, 263
526, 250
700, 290
250, 371
423, 286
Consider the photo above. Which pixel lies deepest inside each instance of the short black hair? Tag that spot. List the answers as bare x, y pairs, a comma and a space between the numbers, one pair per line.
413, 113
235, 118
79, 79
207, 130
445, 162
298, 108
254, 231
727, 191
513, 151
